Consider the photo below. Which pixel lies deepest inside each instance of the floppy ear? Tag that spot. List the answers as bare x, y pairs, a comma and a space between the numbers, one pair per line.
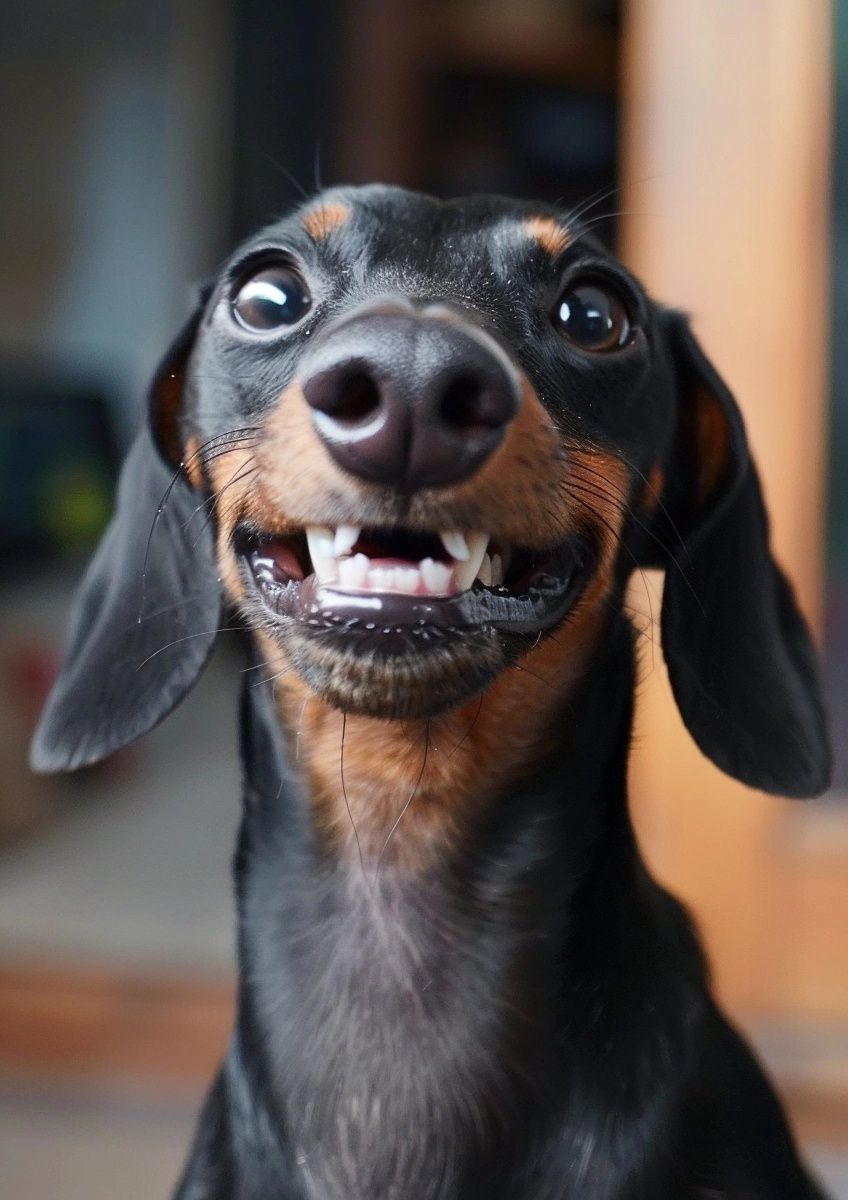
145, 616
741, 663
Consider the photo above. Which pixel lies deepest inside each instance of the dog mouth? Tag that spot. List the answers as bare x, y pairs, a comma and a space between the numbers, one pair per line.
404, 581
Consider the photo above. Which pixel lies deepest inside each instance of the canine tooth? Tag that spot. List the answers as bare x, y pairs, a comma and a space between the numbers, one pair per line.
320, 542
346, 538
466, 572
497, 570
321, 538
435, 576
485, 572
455, 544
353, 572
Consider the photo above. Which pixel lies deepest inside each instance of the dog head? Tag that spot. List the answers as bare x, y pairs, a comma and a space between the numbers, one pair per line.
411, 441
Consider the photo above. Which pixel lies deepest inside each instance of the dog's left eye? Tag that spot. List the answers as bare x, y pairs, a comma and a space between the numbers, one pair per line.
273, 297
593, 316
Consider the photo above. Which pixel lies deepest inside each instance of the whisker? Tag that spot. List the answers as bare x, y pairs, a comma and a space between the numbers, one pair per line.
246, 471
192, 598
410, 798
589, 203
344, 794
299, 729
286, 173
188, 637
210, 500
468, 731
228, 438
272, 679
587, 484
660, 505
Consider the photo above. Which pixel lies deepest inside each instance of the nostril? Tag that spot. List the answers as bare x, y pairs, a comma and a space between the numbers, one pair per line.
349, 395
358, 397
468, 403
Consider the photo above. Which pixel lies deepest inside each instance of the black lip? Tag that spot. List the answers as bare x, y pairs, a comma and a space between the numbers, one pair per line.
535, 609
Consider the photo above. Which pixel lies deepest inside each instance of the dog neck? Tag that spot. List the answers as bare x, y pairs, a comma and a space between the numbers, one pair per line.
401, 1010
404, 792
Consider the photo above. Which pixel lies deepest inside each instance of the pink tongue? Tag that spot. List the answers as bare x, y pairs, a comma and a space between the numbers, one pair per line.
285, 560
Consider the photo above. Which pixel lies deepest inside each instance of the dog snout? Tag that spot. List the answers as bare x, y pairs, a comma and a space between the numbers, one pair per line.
410, 400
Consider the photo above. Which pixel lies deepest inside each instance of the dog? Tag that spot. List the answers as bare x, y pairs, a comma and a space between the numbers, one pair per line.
418, 448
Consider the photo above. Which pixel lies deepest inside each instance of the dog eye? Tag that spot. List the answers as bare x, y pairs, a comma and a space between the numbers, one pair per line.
273, 297
592, 316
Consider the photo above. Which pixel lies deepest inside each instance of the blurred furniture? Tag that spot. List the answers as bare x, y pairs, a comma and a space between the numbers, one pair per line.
483, 96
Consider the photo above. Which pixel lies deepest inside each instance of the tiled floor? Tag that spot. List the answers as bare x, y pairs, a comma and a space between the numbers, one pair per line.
90, 1149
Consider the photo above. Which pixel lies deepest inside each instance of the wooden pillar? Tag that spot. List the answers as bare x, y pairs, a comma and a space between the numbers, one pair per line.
725, 186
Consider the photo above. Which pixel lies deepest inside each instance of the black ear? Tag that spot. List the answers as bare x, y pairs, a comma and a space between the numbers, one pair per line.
741, 663
145, 616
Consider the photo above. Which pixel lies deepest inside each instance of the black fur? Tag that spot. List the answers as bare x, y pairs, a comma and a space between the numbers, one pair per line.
530, 1020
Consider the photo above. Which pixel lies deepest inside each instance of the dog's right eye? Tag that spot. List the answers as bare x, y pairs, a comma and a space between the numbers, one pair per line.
275, 296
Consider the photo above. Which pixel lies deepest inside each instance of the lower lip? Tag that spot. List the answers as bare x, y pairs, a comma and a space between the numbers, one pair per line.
314, 604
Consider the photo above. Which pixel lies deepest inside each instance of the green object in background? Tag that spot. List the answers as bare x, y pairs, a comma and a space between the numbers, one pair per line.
74, 505
58, 465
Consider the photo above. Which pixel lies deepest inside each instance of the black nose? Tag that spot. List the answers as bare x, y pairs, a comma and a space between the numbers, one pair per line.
410, 400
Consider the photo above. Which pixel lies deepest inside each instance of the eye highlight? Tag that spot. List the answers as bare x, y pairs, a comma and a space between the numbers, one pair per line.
273, 297
593, 316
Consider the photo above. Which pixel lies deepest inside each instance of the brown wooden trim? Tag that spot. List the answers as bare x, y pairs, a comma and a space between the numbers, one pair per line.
71, 1025
85, 1022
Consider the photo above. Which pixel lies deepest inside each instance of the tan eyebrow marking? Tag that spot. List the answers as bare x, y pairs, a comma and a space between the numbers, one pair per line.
548, 233
325, 219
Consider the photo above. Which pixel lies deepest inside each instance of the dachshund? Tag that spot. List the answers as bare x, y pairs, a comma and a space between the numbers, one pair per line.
415, 449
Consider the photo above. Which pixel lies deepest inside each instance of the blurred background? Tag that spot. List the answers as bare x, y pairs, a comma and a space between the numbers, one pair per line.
137, 143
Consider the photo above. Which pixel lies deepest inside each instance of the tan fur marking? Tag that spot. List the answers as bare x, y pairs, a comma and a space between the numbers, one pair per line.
548, 233
471, 752
447, 768
167, 403
712, 437
516, 493
232, 483
192, 464
532, 490
652, 489
322, 221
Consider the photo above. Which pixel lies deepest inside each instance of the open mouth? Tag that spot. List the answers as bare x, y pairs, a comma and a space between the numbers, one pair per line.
405, 581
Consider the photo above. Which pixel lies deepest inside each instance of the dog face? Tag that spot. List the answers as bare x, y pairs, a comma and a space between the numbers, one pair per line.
448, 411
435, 436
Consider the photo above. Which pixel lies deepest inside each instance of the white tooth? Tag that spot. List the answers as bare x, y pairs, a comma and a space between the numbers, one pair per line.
381, 579
497, 570
436, 577
407, 580
346, 538
320, 542
353, 572
321, 539
466, 572
485, 572
455, 544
